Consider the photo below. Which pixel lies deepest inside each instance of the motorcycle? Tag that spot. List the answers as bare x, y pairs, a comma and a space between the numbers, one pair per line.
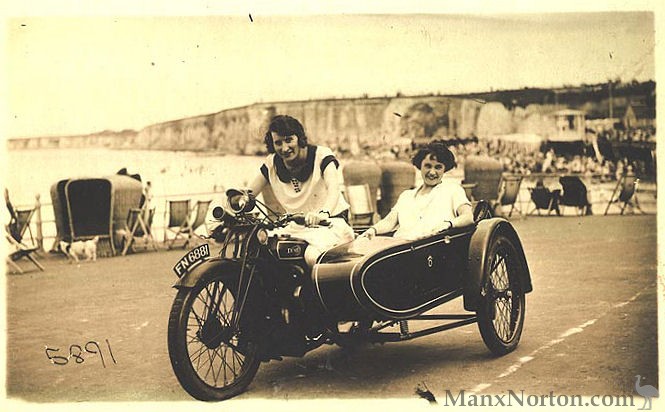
258, 301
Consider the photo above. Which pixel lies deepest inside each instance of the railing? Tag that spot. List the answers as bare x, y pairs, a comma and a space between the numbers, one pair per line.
39, 222
45, 227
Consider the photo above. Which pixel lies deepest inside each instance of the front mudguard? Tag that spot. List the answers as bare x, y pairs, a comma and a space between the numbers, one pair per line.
210, 267
477, 259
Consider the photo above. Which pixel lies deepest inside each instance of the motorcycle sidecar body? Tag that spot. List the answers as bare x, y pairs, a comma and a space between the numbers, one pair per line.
393, 279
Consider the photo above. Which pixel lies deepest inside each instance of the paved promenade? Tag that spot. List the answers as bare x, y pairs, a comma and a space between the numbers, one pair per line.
591, 326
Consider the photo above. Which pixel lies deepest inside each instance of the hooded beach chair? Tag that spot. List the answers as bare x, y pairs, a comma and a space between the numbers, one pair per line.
625, 192
574, 194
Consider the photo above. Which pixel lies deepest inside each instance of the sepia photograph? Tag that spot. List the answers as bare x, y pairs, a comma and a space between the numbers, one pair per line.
330, 204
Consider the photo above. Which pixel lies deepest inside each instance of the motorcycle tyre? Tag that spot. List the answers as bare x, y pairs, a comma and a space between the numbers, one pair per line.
178, 353
487, 312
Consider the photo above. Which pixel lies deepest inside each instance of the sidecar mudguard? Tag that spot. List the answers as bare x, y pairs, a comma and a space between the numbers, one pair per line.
209, 267
479, 245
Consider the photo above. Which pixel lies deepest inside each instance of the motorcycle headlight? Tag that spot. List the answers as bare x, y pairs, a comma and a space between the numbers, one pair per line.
262, 236
240, 201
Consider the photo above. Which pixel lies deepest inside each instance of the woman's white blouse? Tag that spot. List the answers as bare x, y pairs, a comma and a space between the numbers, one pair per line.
309, 195
424, 215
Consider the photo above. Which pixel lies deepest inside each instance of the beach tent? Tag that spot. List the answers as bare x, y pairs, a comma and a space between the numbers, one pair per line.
89, 207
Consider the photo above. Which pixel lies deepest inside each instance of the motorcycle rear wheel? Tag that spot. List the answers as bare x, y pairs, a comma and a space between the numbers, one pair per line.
210, 360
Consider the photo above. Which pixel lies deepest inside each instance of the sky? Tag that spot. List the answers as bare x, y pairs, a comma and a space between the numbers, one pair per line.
126, 68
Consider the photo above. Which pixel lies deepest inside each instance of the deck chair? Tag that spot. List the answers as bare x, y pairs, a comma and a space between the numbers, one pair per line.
138, 230
468, 189
362, 205
187, 227
19, 251
178, 220
544, 199
625, 192
574, 194
509, 191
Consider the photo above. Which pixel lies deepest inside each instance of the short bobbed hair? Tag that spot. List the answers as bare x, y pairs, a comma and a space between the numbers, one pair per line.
439, 151
284, 126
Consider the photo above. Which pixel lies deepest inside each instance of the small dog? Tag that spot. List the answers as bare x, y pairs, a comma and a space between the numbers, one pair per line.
80, 249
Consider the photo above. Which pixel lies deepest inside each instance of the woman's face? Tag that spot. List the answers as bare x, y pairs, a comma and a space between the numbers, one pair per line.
286, 147
432, 171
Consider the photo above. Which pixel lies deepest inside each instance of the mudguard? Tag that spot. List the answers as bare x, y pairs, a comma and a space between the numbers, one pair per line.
478, 248
208, 267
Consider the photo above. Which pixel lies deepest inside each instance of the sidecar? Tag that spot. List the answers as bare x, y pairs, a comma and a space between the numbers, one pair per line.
387, 281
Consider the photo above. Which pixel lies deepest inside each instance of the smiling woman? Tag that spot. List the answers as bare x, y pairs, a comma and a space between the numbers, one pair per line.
432, 207
304, 179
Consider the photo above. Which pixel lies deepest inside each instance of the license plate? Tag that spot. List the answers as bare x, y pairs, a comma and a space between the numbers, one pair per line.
192, 259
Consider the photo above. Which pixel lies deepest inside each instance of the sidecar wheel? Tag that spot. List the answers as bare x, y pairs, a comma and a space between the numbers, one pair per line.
503, 304
210, 360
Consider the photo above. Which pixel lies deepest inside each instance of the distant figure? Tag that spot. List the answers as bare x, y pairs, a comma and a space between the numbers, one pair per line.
146, 202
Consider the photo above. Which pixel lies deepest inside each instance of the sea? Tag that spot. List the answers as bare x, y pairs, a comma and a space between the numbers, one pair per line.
194, 175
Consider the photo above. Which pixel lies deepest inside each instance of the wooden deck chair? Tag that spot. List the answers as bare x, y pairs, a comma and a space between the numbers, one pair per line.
509, 191
468, 189
200, 212
178, 220
19, 251
625, 192
138, 232
362, 205
19, 221
544, 199
574, 194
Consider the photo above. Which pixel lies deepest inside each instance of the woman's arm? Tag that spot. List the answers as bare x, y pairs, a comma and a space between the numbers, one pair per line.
257, 184
384, 225
464, 216
331, 179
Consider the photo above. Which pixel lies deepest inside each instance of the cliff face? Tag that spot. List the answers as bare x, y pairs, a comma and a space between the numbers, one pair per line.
347, 125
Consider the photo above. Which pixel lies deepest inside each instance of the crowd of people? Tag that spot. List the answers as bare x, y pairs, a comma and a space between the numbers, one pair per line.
524, 159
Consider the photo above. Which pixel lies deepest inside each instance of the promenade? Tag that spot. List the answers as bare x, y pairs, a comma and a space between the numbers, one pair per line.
591, 326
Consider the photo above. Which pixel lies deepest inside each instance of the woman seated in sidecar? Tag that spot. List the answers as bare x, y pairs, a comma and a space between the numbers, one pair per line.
432, 207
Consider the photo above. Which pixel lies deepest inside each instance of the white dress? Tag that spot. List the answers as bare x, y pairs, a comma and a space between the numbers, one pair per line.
307, 192
424, 215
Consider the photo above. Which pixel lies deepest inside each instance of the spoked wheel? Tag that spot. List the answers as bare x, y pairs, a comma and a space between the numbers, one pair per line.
211, 360
502, 306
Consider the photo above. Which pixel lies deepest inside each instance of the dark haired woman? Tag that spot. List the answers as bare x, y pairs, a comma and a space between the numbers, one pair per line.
432, 207
305, 179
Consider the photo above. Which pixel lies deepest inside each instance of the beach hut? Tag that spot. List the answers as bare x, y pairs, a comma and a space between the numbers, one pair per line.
89, 207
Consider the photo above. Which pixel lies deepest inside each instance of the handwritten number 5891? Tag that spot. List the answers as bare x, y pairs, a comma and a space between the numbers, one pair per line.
76, 352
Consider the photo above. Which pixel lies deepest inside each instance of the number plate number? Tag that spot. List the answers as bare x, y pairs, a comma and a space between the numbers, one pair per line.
192, 259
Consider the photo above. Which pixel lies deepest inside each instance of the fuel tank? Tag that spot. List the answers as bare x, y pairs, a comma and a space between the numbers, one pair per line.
388, 278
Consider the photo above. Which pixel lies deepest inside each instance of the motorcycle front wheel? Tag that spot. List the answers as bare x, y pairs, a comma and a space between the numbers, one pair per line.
211, 360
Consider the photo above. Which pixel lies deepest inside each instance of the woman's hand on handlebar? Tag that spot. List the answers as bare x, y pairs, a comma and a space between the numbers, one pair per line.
316, 219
